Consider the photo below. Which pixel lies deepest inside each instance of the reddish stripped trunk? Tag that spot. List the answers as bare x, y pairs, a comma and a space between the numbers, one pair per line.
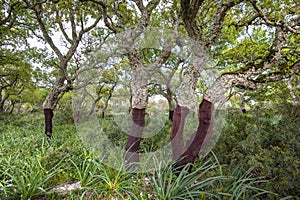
48, 113
176, 136
134, 139
205, 119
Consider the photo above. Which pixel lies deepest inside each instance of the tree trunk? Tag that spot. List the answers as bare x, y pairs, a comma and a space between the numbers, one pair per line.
130, 102
2, 102
107, 101
171, 105
241, 104
94, 105
49, 104
134, 139
48, 113
1, 107
176, 135
193, 149
139, 92
171, 113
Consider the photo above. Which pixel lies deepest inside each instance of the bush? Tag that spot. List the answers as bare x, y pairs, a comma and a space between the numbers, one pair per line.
266, 138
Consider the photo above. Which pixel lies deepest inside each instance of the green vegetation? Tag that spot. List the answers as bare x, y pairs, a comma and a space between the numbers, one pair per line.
75, 59
257, 157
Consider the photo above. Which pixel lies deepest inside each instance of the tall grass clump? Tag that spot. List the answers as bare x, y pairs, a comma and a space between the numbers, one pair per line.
25, 178
169, 183
117, 183
205, 181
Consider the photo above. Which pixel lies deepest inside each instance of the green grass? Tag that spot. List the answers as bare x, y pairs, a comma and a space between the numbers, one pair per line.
30, 166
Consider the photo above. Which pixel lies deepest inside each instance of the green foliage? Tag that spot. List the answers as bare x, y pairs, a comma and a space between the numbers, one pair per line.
158, 140
25, 177
117, 183
208, 180
266, 138
31, 172
64, 110
86, 172
184, 185
113, 132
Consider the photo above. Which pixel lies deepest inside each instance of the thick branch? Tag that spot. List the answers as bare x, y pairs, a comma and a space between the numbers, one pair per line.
218, 20
162, 59
188, 14
247, 22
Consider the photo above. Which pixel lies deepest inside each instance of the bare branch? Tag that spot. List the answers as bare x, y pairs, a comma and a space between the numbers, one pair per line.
78, 38
87, 29
276, 49
107, 20
73, 25
272, 23
62, 28
218, 19
144, 20
140, 5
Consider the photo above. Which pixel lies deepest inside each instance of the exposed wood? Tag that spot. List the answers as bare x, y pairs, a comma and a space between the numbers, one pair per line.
176, 134
194, 147
134, 138
48, 113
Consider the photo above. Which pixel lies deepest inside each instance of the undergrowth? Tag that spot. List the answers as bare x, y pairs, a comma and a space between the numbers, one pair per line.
31, 165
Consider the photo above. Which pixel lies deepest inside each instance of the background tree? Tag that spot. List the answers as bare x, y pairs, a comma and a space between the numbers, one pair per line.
163, 82
134, 16
15, 71
73, 19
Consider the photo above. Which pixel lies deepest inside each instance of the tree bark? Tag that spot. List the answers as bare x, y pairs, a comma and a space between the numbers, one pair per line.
241, 104
171, 105
139, 92
136, 131
176, 135
48, 113
2, 102
107, 101
49, 104
193, 148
